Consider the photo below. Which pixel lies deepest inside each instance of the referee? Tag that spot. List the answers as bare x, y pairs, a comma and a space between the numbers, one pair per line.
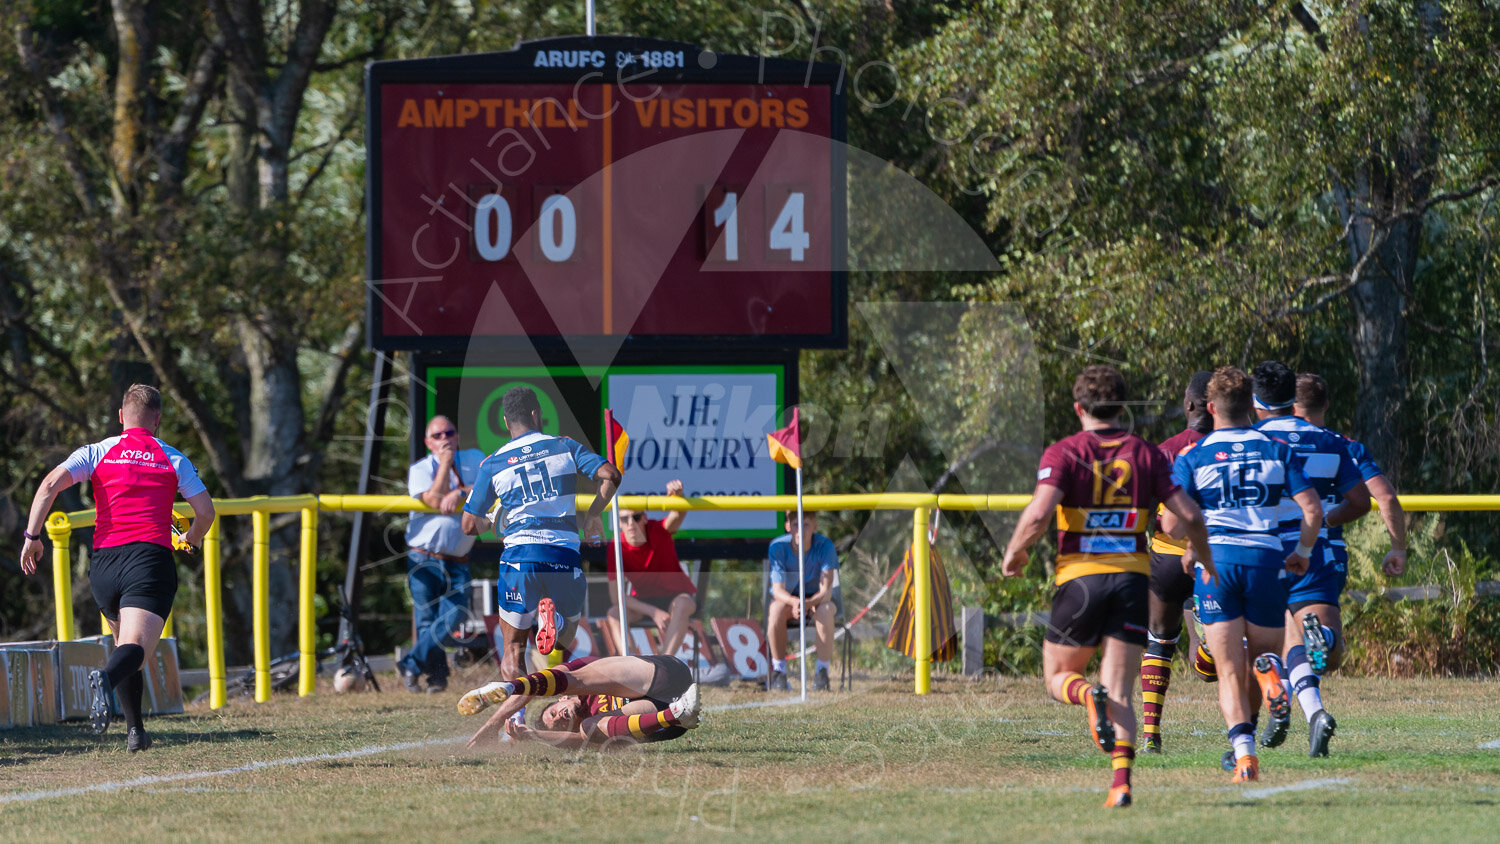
135, 479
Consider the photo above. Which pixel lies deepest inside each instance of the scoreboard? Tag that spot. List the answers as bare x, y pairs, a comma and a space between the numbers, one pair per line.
618, 191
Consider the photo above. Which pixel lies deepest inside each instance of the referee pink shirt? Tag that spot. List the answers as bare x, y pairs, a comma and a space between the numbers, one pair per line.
136, 477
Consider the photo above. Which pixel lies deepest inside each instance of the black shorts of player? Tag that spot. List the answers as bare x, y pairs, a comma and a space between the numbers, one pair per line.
1087, 609
670, 680
1168, 581
137, 574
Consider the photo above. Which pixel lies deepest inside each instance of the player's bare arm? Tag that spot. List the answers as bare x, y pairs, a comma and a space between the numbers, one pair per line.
593, 525
1034, 521
476, 525
1188, 518
1394, 517
1356, 503
203, 518
1312, 522
56, 481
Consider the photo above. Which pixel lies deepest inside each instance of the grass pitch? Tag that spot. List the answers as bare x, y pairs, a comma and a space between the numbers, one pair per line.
989, 760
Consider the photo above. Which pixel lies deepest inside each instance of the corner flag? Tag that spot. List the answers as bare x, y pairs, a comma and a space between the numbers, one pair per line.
616, 440
785, 445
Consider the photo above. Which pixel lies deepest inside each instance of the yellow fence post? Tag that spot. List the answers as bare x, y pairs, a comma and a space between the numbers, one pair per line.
213, 599
261, 589
922, 579
60, 531
306, 630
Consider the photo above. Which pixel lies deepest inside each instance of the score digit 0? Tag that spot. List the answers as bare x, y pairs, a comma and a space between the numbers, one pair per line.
494, 228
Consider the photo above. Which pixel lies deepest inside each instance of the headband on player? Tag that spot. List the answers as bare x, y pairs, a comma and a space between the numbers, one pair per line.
1265, 406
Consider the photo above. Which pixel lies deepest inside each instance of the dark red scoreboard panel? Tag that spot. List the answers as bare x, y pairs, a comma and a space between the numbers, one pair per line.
636, 202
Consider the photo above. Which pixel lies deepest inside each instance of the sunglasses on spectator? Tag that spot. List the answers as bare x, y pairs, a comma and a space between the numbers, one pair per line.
443, 435
634, 517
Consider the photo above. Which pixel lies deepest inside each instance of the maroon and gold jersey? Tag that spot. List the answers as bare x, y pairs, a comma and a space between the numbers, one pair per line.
1172, 448
600, 704
1111, 482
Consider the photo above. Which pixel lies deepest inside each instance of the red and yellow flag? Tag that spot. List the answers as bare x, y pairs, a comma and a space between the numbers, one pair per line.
615, 440
785, 445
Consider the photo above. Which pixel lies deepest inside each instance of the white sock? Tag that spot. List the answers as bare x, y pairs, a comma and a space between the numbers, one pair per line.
1244, 746
1310, 698
778, 665
822, 665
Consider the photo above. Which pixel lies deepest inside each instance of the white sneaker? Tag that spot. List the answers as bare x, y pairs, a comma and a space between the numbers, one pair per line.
716, 675
687, 709
477, 699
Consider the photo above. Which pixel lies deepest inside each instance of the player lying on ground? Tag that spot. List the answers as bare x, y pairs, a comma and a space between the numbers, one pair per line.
631, 698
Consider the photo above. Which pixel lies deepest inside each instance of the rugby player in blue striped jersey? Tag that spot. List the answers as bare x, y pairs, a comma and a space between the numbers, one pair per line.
534, 477
1325, 461
1239, 477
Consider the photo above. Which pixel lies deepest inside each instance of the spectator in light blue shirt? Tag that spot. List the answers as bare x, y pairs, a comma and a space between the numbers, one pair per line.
820, 567
437, 557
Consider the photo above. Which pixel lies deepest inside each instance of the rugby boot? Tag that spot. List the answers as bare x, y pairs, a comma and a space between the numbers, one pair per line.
1317, 644
1119, 797
688, 709
1319, 730
1246, 769
475, 700
99, 705
1096, 703
548, 620
137, 739
1268, 675
1227, 761
1152, 745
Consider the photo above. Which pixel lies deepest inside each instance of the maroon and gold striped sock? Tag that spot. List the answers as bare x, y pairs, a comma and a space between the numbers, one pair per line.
543, 683
1156, 676
638, 726
1121, 760
1075, 689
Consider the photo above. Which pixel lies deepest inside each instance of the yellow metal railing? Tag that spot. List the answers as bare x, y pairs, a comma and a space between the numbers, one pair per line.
60, 527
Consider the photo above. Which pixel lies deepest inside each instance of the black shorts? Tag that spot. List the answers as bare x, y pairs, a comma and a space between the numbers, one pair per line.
671, 679
137, 574
1168, 581
1086, 609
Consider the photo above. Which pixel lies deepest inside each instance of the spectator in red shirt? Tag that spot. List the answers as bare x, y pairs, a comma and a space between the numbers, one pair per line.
659, 589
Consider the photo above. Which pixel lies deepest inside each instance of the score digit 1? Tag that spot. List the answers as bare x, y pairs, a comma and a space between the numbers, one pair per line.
721, 223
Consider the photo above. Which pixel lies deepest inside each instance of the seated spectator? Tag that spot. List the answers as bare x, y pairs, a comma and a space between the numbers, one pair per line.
820, 565
659, 588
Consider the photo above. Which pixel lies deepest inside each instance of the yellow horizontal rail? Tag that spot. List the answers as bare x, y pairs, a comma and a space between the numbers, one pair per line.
61, 525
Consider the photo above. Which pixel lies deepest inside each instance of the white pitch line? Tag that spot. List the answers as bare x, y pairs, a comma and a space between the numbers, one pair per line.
31, 796
1490, 745
1305, 785
757, 704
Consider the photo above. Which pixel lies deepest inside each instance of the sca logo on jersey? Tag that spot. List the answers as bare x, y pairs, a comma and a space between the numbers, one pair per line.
1111, 520
1221, 455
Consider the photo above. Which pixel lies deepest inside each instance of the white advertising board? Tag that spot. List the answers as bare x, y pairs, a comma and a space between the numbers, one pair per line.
706, 427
